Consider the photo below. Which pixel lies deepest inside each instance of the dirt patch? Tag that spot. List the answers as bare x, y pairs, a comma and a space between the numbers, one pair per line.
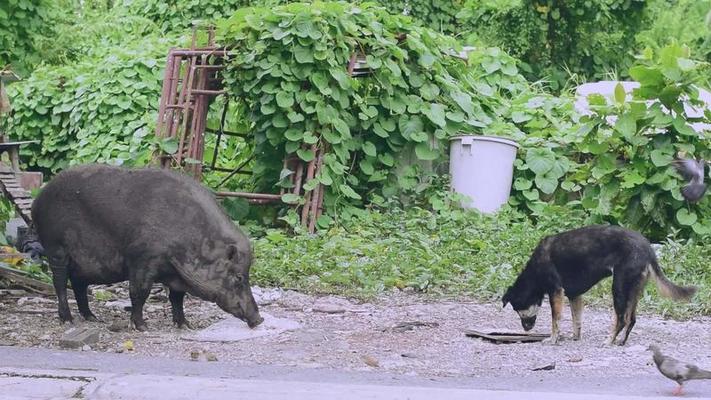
399, 333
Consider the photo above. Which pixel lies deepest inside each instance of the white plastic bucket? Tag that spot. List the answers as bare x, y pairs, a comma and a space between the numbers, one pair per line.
482, 169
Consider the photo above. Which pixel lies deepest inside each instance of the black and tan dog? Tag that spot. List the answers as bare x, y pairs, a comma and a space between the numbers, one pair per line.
572, 262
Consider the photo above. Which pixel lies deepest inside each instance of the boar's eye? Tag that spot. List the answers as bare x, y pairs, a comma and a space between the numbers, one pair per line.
232, 253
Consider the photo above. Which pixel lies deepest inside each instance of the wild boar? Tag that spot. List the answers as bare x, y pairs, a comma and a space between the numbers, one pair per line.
101, 224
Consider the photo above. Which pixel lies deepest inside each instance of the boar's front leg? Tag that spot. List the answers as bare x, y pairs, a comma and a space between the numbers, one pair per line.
80, 288
59, 280
139, 287
176, 304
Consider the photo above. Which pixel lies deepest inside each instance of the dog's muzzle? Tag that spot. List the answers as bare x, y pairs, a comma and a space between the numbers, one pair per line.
528, 323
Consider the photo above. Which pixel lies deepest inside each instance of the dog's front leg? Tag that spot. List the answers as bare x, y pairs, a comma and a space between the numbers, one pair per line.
556, 301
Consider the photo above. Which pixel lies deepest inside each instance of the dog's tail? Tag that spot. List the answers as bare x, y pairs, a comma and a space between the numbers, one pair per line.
668, 288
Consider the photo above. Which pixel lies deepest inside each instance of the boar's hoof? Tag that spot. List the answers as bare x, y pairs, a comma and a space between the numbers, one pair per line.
184, 324
140, 326
92, 318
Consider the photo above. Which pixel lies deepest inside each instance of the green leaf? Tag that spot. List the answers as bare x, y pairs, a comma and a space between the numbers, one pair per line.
626, 125
168, 145
463, 100
522, 184
686, 217
620, 93
660, 158
285, 99
429, 91
306, 155
424, 152
369, 149
386, 159
680, 125
436, 114
349, 192
366, 166
291, 198
540, 160
631, 179
410, 124
546, 183
303, 55
342, 128
293, 134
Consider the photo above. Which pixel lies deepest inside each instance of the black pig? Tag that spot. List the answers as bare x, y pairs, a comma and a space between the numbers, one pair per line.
101, 224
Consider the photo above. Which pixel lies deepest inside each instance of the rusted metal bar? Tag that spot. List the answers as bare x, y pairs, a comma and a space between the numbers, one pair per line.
206, 51
298, 176
309, 175
317, 193
205, 92
164, 95
186, 98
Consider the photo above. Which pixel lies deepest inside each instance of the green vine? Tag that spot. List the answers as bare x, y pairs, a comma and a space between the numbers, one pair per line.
290, 70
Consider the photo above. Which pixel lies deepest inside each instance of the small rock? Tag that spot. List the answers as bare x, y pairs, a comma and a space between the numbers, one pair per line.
575, 359
34, 300
210, 357
45, 337
86, 347
119, 349
331, 305
194, 355
548, 367
265, 297
409, 355
77, 337
121, 305
371, 361
117, 326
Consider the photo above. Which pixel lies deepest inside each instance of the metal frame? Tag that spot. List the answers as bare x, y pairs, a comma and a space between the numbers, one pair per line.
192, 81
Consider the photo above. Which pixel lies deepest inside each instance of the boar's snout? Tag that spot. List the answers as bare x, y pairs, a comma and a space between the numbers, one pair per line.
253, 323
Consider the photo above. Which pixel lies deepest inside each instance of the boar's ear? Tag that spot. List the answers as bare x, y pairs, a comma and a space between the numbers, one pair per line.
505, 299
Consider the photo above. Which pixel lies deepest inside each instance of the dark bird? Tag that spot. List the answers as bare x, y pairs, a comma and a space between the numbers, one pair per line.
693, 171
676, 370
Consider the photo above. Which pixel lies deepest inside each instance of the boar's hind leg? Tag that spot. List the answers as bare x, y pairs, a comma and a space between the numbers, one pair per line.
59, 265
80, 288
139, 287
176, 304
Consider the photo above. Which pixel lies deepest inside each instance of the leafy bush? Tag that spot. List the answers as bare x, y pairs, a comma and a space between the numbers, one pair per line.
22, 23
672, 22
587, 37
437, 15
98, 110
178, 15
627, 176
292, 77
616, 163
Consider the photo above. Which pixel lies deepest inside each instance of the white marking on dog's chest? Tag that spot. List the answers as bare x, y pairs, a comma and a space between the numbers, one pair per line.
529, 312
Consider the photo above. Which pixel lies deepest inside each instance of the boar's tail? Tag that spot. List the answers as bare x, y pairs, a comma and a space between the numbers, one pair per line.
668, 288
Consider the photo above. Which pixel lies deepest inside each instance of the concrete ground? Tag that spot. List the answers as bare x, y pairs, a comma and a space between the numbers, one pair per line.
45, 374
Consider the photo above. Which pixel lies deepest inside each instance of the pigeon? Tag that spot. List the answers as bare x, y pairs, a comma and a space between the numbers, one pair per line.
676, 370
693, 171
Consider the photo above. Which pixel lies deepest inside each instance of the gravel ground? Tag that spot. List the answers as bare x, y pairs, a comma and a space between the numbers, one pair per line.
348, 335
